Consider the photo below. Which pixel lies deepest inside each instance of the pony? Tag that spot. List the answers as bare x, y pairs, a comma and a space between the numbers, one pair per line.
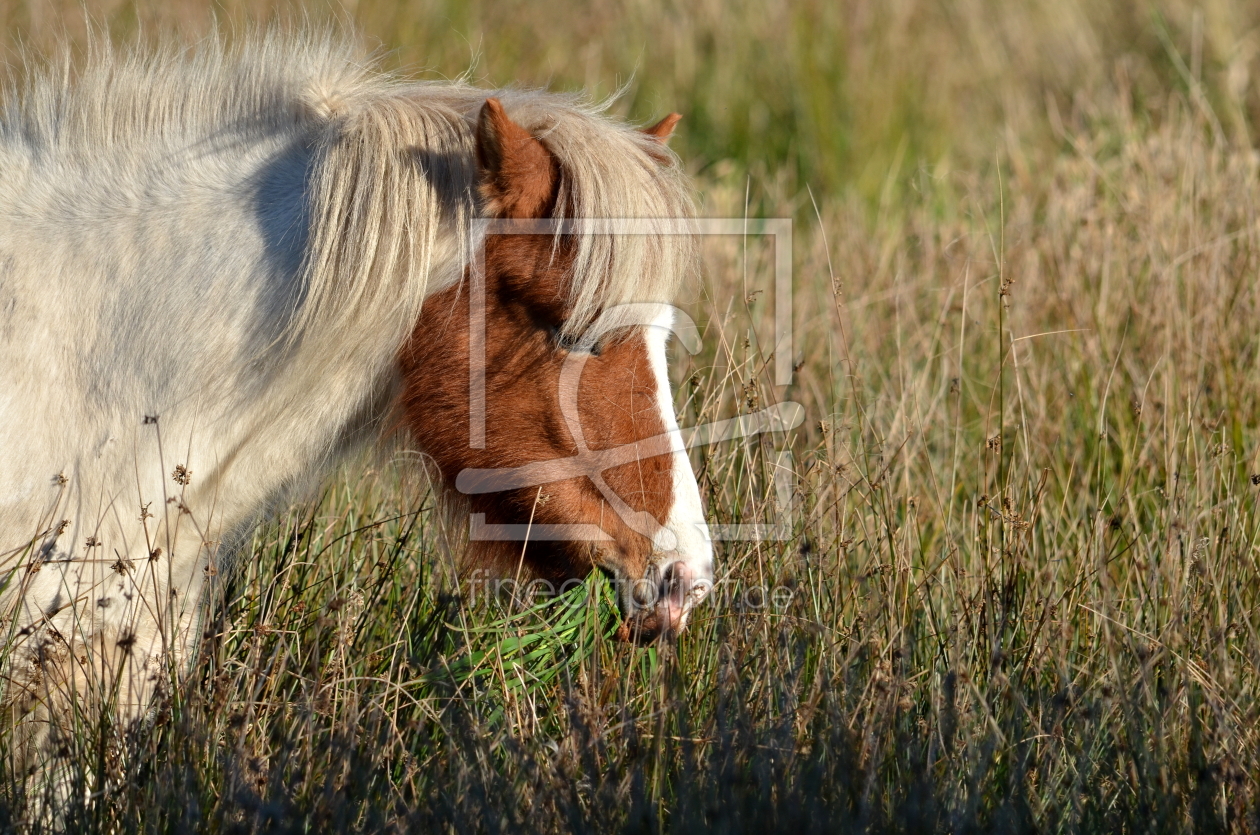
224, 269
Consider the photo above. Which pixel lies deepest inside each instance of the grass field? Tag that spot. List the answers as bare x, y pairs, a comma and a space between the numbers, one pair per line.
1021, 591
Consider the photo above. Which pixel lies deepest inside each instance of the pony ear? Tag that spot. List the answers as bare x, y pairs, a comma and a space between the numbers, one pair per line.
519, 175
664, 129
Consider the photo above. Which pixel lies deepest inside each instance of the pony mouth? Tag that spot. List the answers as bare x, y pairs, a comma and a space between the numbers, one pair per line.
657, 607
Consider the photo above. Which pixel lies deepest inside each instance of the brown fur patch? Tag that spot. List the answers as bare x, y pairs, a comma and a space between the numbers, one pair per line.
617, 404
526, 305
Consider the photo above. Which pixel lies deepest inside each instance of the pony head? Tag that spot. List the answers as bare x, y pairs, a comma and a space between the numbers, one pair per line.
579, 464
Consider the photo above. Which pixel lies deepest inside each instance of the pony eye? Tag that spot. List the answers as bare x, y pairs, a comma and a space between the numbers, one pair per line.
569, 342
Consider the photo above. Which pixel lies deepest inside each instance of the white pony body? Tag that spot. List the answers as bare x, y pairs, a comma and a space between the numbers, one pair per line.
208, 264
150, 276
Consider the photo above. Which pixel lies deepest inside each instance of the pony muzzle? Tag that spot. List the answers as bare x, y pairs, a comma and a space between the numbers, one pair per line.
659, 604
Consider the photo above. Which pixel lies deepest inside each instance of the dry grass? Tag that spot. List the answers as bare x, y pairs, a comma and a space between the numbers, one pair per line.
1023, 569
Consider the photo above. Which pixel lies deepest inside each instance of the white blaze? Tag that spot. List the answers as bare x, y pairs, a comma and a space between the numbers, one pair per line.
685, 536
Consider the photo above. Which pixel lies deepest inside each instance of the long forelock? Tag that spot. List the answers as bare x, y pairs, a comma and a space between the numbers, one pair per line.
611, 172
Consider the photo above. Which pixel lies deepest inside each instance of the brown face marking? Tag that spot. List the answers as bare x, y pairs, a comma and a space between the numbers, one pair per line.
525, 298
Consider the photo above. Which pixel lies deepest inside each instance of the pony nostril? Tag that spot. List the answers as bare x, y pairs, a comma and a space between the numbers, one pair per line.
659, 603
675, 590
677, 579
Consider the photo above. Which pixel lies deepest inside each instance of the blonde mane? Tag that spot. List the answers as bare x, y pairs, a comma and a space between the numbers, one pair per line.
393, 165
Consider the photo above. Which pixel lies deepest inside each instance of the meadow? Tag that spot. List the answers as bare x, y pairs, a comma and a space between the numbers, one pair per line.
1018, 589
